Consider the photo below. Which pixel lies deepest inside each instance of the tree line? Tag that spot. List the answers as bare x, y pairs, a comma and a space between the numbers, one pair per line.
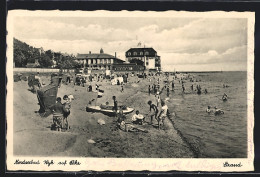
25, 54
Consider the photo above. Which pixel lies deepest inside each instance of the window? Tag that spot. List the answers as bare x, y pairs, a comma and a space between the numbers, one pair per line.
146, 53
129, 53
135, 53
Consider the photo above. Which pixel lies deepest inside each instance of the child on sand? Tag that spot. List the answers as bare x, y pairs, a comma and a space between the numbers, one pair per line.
138, 118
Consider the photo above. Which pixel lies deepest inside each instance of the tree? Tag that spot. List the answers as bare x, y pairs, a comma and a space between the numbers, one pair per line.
49, 53
45, 61
19, 58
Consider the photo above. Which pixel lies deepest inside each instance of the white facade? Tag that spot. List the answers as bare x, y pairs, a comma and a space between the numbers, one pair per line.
150, 63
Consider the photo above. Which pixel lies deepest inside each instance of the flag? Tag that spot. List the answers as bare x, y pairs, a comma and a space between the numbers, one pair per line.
100, 93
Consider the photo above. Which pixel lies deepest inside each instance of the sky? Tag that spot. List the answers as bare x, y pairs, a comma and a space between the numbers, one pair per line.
184, 44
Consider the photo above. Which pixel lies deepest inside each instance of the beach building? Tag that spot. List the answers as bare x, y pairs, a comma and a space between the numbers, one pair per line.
33, 65
98, 61
146, 57
127, 67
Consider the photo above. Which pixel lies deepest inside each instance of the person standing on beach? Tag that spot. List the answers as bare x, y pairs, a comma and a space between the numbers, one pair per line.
122, 88
38, 78
173, 85
154, 89
198, 89
158, 87
157, 98
115, 108
149, 90
183, 88
162, 115
154, 111
66, 111
58, 110
121, 120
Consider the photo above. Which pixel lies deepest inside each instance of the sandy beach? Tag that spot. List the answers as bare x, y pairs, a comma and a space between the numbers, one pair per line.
33, 136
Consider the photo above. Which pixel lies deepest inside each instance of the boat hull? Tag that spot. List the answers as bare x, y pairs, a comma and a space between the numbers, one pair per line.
107, 111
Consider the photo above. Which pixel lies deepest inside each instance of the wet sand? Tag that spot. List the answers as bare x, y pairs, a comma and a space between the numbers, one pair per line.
33, 137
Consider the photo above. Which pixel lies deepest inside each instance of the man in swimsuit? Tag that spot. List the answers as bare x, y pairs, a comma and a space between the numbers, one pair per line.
154, 110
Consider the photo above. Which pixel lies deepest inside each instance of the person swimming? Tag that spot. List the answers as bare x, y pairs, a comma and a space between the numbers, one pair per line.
208, 110
218, 111
224, 97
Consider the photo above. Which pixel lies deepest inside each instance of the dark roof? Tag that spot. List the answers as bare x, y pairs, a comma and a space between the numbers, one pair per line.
96, 56
141, 50
125, 64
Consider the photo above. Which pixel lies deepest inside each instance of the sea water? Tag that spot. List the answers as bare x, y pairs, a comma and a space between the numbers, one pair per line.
210, 136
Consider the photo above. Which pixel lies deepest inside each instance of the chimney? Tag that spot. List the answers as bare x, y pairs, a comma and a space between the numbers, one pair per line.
89, 52
115, 54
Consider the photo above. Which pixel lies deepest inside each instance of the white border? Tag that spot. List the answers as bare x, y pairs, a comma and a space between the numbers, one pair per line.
136, 164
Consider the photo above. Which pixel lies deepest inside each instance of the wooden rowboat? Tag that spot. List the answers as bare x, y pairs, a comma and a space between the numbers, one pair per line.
109, 111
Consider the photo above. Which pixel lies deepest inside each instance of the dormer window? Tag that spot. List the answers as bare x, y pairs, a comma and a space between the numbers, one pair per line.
129, 53
141, 53
135, 53
146, 53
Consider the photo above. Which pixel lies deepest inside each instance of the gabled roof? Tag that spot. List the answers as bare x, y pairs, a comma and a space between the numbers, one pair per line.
141, 50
